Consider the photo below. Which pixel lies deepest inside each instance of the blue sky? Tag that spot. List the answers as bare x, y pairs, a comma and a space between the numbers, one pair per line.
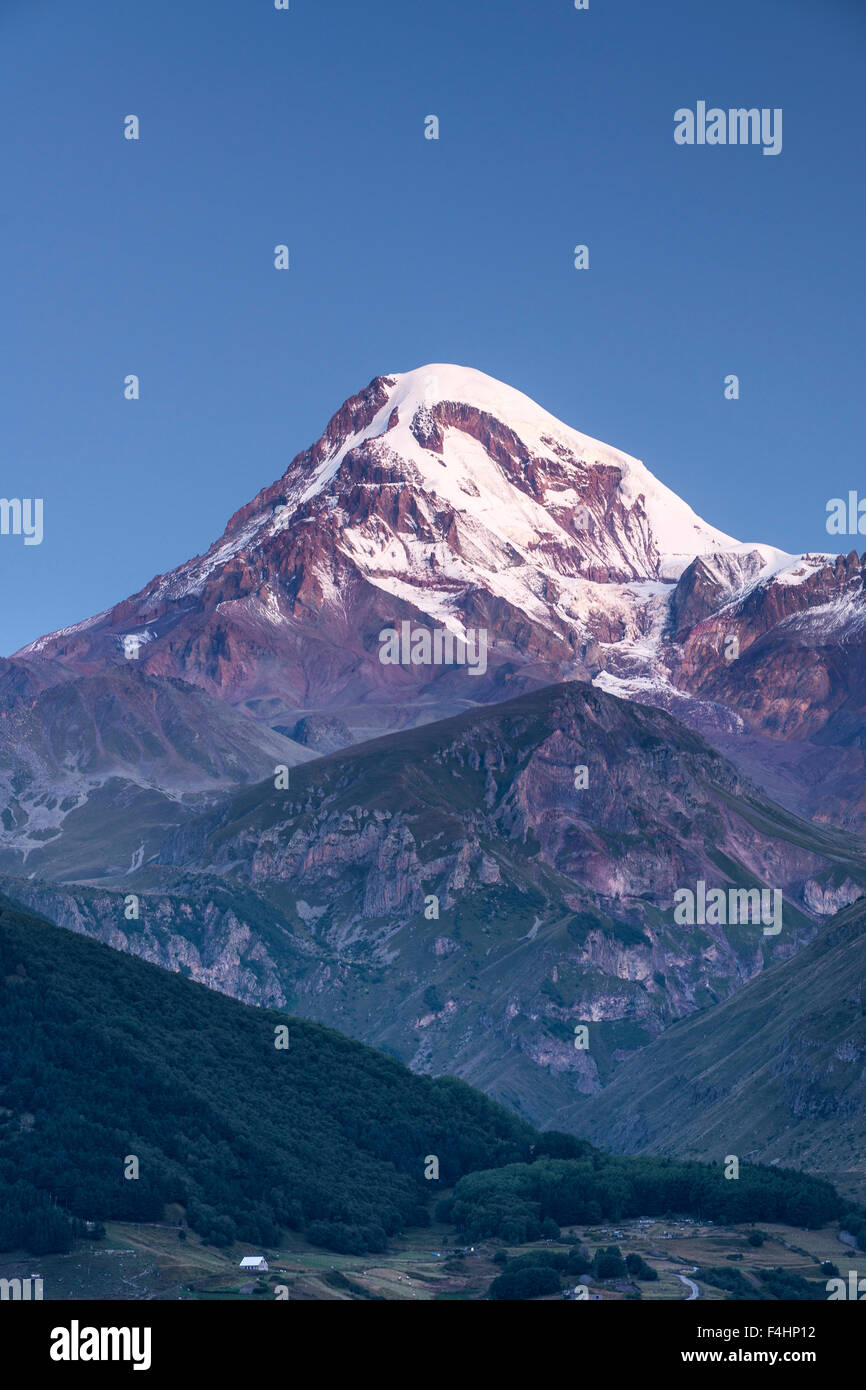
260, 127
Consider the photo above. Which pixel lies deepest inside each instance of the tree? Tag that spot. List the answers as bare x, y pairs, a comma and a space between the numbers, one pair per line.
608, 1263
639, 1269
534, 1282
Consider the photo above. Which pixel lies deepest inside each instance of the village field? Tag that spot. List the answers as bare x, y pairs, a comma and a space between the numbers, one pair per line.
144, 1262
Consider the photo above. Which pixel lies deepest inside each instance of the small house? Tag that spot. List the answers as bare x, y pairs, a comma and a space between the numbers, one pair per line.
258, 1263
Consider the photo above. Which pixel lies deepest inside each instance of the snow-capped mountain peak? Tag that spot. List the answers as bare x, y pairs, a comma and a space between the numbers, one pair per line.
443, 497
448, 454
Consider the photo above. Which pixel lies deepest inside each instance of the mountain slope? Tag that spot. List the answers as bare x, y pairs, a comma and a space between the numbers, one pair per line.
439, 496
95, 770
450, 894
777, 1072
247, 1137
442, 498
149, 1099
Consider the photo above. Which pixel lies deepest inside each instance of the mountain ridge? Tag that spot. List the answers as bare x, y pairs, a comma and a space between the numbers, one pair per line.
776, 1071
442, 497
450, 893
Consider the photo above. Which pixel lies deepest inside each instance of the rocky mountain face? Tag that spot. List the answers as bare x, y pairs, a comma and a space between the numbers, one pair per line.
795, 682
480, 511
776, 1073
446, 500
94, 770
228, 940
468, 893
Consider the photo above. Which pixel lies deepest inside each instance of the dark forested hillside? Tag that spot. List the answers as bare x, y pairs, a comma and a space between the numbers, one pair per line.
513, 1201
104, 1057
111, 1066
